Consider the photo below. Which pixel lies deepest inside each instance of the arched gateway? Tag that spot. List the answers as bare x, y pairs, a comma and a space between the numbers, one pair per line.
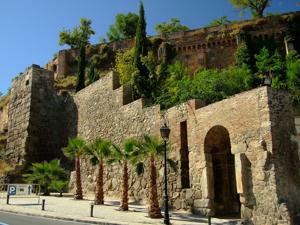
220, 161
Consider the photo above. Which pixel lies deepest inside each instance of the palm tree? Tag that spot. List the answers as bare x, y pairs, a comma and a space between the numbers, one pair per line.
122, 156
99, 150
59, 185
46, 174
74, 150
151, 148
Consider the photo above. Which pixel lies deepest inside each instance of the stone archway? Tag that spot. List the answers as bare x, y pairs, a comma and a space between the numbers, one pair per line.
217, 147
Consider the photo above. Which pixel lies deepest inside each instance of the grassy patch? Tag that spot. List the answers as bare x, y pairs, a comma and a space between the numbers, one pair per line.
66, 83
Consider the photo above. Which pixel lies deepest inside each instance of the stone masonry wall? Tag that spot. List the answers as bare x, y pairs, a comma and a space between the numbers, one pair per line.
18, 118
253, 121
101, 113
208, 47
285, 149
37, 127
3, 119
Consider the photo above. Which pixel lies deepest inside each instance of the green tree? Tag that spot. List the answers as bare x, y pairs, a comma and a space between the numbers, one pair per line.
150, 149
171, 26
256, 7
123, 156
264, 62
126, 68
74, 151
99, 150
124, 27
46, 174
140, 50
221, 21
59, 185
293, 76
278, 71
272, 66
215, 84
175, 89
242, 56
78, 38
93, 73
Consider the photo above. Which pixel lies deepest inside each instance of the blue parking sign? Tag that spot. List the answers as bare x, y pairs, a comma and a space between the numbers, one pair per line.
12, 190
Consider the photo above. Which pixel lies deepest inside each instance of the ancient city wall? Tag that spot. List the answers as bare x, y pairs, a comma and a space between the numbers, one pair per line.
36, 123
3, 118
103, 112
244, 133
208, 47
18, 118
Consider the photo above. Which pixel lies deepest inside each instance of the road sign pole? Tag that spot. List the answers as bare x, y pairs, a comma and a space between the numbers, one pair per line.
43, 204
7, 199
92, 210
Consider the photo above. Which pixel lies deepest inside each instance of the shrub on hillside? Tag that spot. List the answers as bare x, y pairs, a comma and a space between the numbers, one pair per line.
46, 174
210, 85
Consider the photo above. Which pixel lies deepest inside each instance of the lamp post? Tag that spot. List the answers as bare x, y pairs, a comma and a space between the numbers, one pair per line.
164, 132
267, 81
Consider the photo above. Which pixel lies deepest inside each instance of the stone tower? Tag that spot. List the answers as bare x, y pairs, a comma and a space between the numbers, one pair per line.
35, 127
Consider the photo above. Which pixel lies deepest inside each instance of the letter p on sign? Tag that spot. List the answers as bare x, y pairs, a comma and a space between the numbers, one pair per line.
12, 190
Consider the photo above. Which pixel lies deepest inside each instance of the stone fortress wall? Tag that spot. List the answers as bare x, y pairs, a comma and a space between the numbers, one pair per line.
244, 135
233, 151
211, 47
37, 120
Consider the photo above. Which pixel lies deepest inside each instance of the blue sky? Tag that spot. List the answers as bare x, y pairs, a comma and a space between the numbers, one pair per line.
30, 28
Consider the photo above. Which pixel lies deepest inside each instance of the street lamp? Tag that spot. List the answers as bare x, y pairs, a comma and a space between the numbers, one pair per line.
267, 81
165, 132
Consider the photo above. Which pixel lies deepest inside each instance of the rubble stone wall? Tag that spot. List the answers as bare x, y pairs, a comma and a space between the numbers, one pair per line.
3, 119
254, 121
36, 123
208, 47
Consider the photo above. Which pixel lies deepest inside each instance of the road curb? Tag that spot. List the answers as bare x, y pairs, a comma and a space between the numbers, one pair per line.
59, 217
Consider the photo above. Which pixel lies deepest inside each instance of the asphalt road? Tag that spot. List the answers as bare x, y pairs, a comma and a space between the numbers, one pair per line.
17, 219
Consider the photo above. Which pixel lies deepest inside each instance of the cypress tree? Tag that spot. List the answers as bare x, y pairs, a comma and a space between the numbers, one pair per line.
81, 69
140, 49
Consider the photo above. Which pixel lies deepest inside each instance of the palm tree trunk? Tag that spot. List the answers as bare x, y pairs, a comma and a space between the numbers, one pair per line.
99, 198
154, 211
78, 194
124, 204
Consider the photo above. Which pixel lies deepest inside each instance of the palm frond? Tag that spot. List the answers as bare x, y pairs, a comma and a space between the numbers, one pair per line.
75, 147
99, 149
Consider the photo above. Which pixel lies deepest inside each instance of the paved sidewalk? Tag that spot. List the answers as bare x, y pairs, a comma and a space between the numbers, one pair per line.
79, 210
